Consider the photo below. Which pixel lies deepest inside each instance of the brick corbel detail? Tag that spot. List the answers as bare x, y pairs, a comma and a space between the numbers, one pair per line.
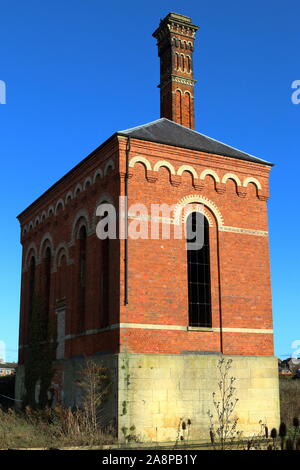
198, 185
122, 175
220, 188
175, 180
262, 196
151, 176
242, 192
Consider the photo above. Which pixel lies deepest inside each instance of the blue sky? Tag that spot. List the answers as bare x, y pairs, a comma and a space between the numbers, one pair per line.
78, 70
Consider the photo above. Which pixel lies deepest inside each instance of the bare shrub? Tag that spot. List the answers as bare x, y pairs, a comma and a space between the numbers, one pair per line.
95, 383
63, 427
223, 427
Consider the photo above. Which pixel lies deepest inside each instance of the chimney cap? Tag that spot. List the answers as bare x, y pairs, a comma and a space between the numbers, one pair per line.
179, 17
176, 18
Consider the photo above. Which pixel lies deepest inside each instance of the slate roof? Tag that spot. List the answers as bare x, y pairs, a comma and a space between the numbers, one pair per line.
168, 132
164, 131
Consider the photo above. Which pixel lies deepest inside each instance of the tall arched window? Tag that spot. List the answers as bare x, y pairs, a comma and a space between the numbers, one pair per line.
47, 279
187, 104
82, 277
198, 260
182, 62
105, 273
178, 98
31, 291
189, 64
62, 277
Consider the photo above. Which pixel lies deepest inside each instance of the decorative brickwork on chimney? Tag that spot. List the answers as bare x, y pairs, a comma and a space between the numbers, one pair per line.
175, 39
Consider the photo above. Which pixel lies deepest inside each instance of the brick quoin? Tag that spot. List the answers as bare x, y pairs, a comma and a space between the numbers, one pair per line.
234, 193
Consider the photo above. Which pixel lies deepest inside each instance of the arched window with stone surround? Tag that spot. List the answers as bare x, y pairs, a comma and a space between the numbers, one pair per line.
82, 277
198, 264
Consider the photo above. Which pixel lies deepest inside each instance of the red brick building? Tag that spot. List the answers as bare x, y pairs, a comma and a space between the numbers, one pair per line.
157, 315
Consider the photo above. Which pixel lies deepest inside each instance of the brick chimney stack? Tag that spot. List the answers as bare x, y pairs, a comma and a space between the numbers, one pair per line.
175, 39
